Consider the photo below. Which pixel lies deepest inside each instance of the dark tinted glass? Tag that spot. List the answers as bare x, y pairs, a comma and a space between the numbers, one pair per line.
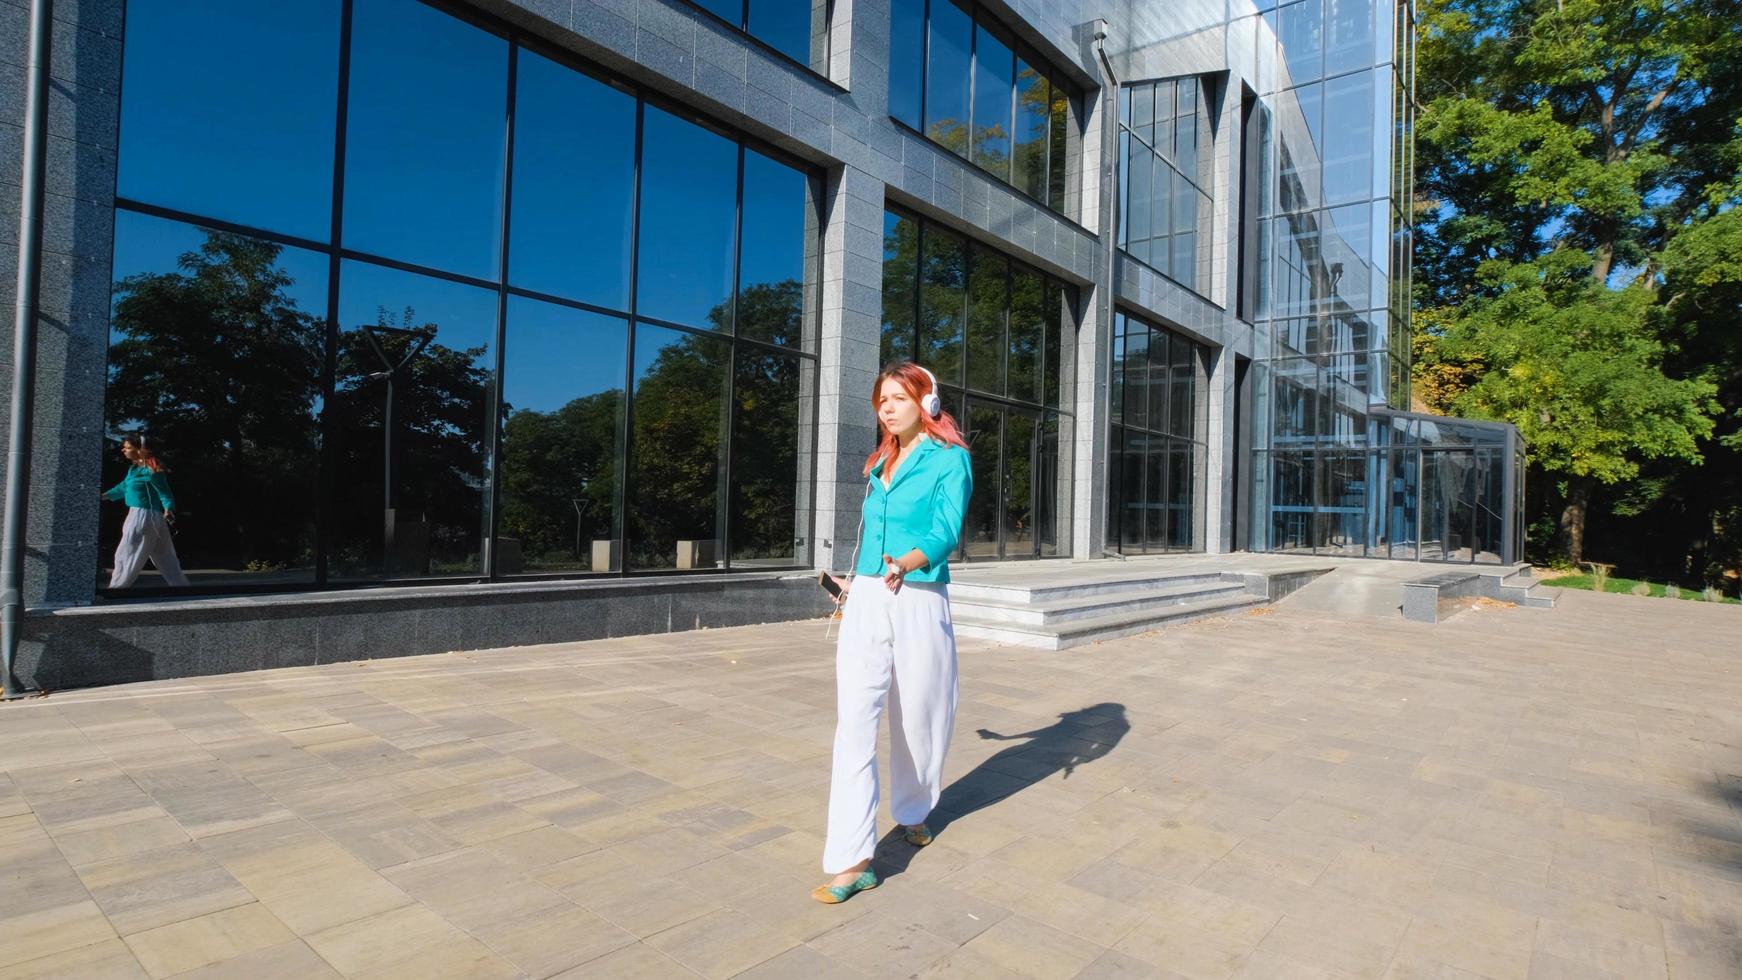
426, 421
771, 256
1179, 496
227, 110
1155, 493
1116, 382
988, 300
906, 59
574, 185
1027, 334
768, 469
795, 28
1020, 449
424, 150
1158, 375
689, 187
900, 286
562, 433
985, 436
1052, 310
1029, 169
1183, 389
730, 10
1140, 201
1053, 500
943, 285
1136, 376
1057, 160
994, 80
215, 352
1131, 492
675, 445
947, 81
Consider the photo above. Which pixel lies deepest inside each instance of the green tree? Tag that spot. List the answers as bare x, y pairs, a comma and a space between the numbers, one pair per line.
1563, 147
219, 366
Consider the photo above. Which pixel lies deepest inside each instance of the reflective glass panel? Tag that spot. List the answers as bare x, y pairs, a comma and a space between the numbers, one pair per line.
1027, 334
574, 185
947, 76
771, 256
1302, 40
1348, 157
768, 523
1158, 377
985, 437
988, 302
425, 87
900, 286
215, 353
562, 439
1057, 154
994, 82
943, 288
906, 59
689, 190
798, 29
675, 468
227, 110
1020, 449
1183, 389
1053, 311
1349, 42
411, 398
1029, 173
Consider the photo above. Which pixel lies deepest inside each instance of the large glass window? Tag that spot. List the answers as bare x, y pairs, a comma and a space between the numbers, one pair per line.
562, 432
798, 29
229, 111
215, 351
406, 401
990, 329
956, 75
574, 185
689, 181
1165, 143
425, 130
1155, 473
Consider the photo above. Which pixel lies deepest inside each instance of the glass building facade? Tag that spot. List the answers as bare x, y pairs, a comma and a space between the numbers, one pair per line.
404, 295
410, 291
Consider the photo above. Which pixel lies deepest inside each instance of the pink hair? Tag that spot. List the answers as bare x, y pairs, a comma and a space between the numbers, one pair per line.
914, 381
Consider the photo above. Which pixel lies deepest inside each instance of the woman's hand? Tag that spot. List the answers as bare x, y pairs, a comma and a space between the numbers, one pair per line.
893, 573
846, 585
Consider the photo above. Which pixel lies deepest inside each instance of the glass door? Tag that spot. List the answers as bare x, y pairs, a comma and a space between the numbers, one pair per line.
1005, 446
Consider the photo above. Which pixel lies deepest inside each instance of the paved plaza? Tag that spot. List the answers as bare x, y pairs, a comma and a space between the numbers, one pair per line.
1288, 793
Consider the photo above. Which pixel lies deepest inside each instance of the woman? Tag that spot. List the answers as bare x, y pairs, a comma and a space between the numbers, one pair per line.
150, 508
897, 646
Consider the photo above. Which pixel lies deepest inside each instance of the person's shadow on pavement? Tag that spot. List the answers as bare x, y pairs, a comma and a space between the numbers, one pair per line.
1076, 739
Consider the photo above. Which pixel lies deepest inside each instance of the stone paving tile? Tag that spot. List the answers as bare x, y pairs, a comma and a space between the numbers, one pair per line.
1513, 793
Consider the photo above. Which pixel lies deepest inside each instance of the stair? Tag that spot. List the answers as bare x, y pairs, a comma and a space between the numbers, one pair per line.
1057, 617
1519, 586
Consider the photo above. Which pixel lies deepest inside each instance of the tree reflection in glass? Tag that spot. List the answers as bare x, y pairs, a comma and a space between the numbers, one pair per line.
216, 354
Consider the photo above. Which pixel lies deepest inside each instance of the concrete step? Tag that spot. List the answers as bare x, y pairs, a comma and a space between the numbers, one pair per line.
1065, 635
965, 588
1056, 611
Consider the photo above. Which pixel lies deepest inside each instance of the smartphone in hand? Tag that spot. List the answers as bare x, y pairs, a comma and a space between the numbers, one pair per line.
831, 586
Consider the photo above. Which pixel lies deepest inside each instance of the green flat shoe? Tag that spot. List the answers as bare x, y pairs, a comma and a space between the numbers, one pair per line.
918, 836
836, 894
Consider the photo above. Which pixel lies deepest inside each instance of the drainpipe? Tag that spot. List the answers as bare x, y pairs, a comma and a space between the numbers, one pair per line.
1110, 237
12, 545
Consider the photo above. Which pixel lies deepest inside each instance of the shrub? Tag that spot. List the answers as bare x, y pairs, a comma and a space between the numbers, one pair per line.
1641, 588
1712, 594
1672, 591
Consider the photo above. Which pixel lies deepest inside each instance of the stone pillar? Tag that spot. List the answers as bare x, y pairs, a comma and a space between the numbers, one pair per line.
73, 321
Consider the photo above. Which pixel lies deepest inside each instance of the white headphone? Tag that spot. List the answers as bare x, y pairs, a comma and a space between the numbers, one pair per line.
933, 405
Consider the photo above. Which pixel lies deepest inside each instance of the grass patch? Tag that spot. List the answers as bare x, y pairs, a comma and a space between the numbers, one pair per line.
1584, 580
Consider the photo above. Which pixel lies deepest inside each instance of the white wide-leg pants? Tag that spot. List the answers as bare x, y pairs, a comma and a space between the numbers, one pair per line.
897, 649
145, 534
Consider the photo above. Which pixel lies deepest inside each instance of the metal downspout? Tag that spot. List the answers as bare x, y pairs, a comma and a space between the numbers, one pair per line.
12, 545
1110, 237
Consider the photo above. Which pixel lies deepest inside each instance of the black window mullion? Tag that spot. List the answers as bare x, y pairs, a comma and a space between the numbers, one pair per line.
493, 433
626, 436
723, 485
329, 366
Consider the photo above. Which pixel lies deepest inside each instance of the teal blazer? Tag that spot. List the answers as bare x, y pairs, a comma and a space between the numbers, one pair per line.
143, 489
923, 508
